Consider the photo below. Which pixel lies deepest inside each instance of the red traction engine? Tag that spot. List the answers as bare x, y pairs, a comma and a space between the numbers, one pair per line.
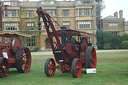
71, 50
13, 55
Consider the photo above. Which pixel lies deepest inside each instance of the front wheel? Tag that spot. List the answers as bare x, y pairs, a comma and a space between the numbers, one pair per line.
3, 67
76, 68
49, 67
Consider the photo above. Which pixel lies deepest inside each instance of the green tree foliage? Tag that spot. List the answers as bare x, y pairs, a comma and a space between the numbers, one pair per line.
108, 37
124, 37
100, 40
107, 46
124, 44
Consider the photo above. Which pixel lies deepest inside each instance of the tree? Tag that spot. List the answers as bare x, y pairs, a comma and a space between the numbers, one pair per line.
124, 37
116, 41
99, 8
108, 37
124, 44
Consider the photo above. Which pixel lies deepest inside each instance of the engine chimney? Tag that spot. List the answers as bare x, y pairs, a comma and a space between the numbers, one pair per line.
121, 14
116, 14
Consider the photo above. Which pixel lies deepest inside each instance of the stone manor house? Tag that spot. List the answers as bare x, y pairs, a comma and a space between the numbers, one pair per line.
21, 17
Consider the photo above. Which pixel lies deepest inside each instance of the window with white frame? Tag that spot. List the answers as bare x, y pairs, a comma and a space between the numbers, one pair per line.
113, 24
89, 40
30, 14
65, 13
11, 26
31, 41
30, 26
66, 24
84, 24
51, 12
86, 2
7, 3
116, 33
43, 26
11, 14
87, 37
84, 12
14, 3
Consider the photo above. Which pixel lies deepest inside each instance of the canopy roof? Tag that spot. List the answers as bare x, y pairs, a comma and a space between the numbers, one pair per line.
13, 34
75, 33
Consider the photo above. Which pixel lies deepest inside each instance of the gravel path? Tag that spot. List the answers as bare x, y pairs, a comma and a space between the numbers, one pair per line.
50, 52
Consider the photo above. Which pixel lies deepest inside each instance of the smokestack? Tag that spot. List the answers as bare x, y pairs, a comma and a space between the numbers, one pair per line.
121, 14
116, 14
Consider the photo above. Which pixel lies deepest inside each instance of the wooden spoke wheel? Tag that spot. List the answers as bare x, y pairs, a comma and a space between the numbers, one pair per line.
83, 44
76, 68
23, 60
3, 67
16, 43
50, 67
90, 57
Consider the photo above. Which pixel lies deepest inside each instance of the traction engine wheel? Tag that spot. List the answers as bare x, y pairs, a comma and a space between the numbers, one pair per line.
3, 67
83, 44
76, 68
23, 60
50, 67
90, 57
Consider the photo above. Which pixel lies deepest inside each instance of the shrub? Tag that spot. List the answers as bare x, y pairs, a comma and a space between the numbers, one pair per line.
107, 46
124, 44
35, 49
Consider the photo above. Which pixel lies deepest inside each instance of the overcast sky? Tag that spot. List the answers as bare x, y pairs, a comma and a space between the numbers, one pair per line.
115, 5
111, 7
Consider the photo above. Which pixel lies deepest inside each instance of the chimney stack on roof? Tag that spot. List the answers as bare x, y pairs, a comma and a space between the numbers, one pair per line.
25, 0
121, 14
116, 14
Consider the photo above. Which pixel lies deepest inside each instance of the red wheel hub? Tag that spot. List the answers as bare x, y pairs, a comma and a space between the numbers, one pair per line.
51, 67
78, 68
26, 60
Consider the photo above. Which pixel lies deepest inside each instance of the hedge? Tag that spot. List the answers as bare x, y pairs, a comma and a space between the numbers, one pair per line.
124, 44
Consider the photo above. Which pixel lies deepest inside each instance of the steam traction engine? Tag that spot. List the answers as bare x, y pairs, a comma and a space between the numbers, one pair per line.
12, 54
70, 54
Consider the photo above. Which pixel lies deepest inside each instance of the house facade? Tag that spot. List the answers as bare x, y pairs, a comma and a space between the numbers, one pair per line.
115, 24
21, 17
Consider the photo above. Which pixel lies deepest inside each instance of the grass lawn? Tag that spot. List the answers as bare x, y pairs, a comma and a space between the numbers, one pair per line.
112, 69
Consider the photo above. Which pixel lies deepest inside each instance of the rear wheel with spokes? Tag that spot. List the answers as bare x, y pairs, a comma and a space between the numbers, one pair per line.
23, 60
90, 57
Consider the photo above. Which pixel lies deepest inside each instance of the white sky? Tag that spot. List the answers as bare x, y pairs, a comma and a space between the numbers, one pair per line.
111, 7
115, 5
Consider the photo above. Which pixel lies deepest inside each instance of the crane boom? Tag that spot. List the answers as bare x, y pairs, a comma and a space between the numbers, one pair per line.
48, 22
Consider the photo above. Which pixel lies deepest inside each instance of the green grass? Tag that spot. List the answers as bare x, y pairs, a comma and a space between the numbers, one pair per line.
112, 69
